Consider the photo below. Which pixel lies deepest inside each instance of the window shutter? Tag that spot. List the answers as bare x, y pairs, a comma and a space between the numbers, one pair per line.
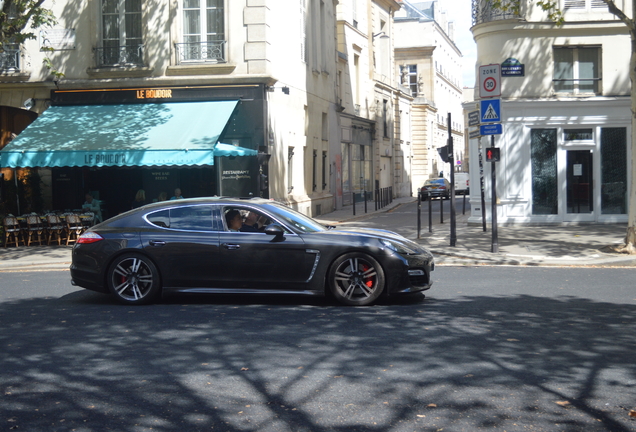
598, 4
574, 4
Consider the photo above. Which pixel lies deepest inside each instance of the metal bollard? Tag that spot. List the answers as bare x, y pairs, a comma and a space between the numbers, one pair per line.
353, 194
430, 214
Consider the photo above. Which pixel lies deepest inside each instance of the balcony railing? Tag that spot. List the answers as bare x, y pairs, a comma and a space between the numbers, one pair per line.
200, 52
10, 60
483, 11
120, 56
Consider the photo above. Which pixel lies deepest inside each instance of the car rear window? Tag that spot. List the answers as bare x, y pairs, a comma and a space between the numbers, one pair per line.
436, 181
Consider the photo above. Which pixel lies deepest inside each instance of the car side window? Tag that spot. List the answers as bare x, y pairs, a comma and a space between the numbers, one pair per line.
160, 218
188, 218
191, 218
251, 221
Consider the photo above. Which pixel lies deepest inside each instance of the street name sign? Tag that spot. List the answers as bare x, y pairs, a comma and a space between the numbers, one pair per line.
490, 81
473, 118
490, 110
491, 129
474, 134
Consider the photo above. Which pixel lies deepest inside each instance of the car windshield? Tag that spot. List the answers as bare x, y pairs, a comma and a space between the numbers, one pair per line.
295, 219
435, 181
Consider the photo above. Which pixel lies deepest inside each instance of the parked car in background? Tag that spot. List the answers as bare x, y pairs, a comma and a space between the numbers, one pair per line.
461, 183
243, 246
436, 187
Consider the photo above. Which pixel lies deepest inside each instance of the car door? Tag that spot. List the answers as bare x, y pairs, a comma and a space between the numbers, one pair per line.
255, 260
184, 242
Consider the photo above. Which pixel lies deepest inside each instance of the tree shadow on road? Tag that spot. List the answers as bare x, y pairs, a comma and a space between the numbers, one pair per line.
84, 363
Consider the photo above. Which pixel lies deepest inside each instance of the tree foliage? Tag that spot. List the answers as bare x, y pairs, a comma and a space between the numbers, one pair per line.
20, 18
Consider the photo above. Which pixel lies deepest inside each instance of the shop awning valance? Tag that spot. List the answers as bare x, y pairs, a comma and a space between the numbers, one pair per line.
167, 134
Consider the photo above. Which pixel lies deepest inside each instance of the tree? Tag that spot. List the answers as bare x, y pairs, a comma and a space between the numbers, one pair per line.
18, 21
16, 15
556, 15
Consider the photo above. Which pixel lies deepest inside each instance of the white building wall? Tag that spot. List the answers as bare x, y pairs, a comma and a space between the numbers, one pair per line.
531, 102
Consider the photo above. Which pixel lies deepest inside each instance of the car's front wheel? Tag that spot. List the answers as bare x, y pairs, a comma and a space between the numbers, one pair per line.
356, 279
134, 279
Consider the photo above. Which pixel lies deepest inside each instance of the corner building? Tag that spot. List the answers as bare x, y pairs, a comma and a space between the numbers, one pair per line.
565, 111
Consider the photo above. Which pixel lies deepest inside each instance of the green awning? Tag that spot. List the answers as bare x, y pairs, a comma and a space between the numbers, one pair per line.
167, 134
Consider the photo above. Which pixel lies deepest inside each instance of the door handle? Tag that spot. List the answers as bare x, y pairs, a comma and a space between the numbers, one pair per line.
230, 246
157, 243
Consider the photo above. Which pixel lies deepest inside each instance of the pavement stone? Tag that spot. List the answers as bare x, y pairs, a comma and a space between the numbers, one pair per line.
534, 245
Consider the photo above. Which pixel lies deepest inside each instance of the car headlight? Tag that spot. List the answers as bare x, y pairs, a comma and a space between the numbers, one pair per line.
399, 247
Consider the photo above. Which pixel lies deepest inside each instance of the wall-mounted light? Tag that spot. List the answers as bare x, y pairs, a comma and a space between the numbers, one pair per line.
28, 104
381, 35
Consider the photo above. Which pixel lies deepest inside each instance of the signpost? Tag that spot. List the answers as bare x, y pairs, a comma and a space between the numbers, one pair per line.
490, 81
491, 129
490, 112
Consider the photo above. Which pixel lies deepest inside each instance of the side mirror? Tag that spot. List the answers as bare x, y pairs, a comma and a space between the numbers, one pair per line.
275, 230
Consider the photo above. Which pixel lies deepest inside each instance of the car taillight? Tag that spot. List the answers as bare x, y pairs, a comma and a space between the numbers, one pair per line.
89, 237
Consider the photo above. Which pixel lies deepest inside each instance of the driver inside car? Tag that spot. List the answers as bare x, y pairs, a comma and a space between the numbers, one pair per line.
253, 222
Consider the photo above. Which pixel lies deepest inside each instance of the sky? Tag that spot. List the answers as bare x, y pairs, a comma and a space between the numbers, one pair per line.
459, 11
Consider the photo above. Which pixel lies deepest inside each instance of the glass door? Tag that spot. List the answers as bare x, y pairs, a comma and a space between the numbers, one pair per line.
579, 185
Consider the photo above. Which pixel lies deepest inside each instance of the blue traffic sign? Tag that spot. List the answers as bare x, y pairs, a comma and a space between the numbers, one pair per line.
490, 111
491, 129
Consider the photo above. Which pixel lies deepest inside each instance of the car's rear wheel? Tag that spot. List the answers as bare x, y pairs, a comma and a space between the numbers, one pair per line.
134, 279
356, 279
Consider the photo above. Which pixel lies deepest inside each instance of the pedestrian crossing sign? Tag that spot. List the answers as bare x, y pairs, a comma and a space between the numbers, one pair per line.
490, 111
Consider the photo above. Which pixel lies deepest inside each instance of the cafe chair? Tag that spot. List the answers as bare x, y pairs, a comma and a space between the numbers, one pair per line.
34, 231
74, 228
12, 231
88, 219
55, 228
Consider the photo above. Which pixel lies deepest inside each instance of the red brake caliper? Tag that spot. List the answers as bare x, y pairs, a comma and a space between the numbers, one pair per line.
369, 282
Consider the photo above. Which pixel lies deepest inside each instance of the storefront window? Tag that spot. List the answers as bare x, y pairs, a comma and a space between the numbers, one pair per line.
543, 149
613, 171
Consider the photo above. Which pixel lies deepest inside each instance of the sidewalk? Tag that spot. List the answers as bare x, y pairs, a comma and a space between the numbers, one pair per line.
546, 245
538, 245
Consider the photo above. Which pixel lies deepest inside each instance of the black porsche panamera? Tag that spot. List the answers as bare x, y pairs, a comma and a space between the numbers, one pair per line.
200, 245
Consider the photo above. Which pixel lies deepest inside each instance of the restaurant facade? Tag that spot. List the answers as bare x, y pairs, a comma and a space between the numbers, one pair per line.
204, 140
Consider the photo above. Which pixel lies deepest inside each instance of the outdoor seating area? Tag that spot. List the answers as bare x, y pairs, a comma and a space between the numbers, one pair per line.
45, 229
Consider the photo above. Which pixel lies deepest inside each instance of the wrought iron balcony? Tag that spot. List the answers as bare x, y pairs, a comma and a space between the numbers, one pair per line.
203, 52
484, 11
120, 56
10, 60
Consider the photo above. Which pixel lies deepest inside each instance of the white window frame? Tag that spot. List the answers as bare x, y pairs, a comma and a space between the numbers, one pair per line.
209, 45
576, 73
122, 13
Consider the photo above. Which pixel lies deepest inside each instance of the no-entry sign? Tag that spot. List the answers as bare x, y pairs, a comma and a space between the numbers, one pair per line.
490, 81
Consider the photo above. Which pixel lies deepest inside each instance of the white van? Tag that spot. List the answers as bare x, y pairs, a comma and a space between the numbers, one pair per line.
461, 183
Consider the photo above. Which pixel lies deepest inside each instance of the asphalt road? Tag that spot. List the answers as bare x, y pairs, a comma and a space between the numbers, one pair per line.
489, 348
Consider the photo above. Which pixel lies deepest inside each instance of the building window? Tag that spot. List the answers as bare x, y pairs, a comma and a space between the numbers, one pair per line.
578, 134
409, 74
122, 44
203, 32
290, 169
577, 69
385, 120
324, 170
586, 5
613, 171
314, 168
543, 153
325, 127
303, 30
10, 58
